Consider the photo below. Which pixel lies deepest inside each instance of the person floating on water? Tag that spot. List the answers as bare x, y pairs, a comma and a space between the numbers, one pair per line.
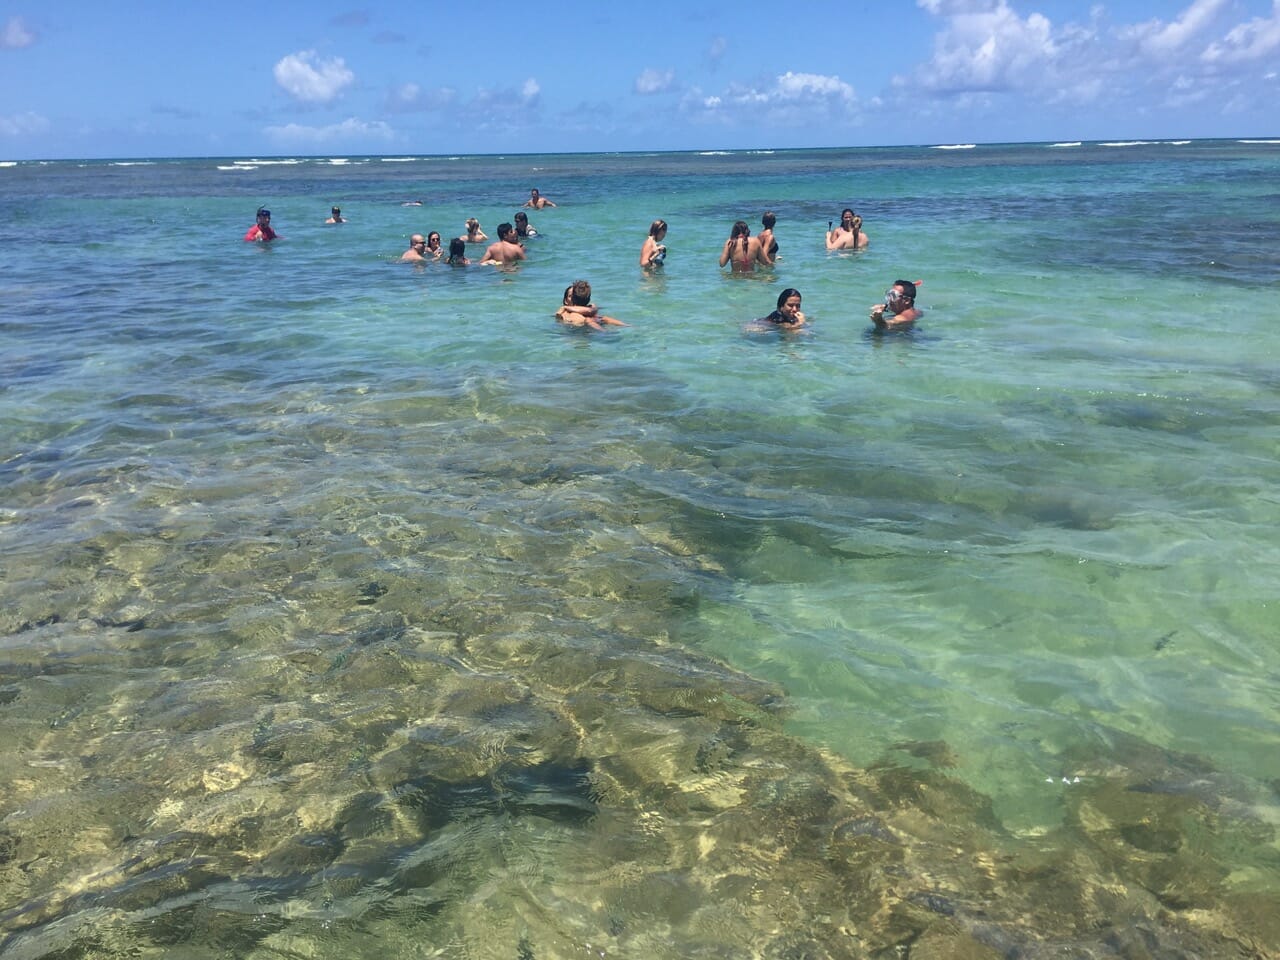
787, 316
743, 251
654, 251
335, 216
900, 304
261, 231
537, 201
577, 310
849, 235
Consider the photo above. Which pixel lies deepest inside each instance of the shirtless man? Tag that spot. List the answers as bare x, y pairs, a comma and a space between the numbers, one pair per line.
849, 235
335, 216
417, 250
578, 310
536, 201
900, 304
505, 251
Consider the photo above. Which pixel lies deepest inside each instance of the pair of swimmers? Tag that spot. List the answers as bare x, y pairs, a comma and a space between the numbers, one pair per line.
898, 310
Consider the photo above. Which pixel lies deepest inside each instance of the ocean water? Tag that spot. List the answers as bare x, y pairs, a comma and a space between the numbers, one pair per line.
353, 608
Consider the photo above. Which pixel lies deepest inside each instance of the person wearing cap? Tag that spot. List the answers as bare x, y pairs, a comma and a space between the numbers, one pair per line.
899, 304
335, 216
261, 231
417, 250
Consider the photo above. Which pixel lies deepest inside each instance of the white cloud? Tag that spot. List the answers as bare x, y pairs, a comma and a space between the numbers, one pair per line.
1256, 40
16, 35
1156, 38
987, 47
654, 81
23, 124
984, 51
351, 129
304, 76
717, 50
530, 90
789, 100
810, 86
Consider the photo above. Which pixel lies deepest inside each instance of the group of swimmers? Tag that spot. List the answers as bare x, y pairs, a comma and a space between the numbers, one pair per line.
741, 252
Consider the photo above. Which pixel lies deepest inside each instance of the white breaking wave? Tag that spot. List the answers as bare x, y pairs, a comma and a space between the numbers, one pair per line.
955, 146
1068, 143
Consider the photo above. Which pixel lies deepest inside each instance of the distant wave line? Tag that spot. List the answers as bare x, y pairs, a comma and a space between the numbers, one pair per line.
955, 146
1067, 143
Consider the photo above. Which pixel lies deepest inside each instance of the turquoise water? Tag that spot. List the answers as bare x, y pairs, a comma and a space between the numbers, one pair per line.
352, 606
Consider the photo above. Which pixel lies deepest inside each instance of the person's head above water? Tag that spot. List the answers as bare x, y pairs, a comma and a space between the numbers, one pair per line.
578, 293
768, 220
908, 291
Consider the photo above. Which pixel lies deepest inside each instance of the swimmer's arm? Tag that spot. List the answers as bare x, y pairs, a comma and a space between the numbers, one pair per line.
877, 316
612, 322
832, 241
724, 254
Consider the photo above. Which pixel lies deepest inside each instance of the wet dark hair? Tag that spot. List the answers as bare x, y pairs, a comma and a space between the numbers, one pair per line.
768, 220
786, 294
457, 248
504, 229
521, 215
657, 227
579, 293
908, 289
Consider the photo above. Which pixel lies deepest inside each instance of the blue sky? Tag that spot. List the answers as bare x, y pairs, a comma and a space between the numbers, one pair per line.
159, 78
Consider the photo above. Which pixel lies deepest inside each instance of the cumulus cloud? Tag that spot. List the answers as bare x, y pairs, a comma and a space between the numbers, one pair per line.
789, 100
23, 124
984, 51
15, 35
654, 81
351, 129
307, 77
1257, 40
987, 47
1159, 39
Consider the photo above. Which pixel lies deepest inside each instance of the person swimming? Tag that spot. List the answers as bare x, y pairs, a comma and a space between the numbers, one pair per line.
787, 314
